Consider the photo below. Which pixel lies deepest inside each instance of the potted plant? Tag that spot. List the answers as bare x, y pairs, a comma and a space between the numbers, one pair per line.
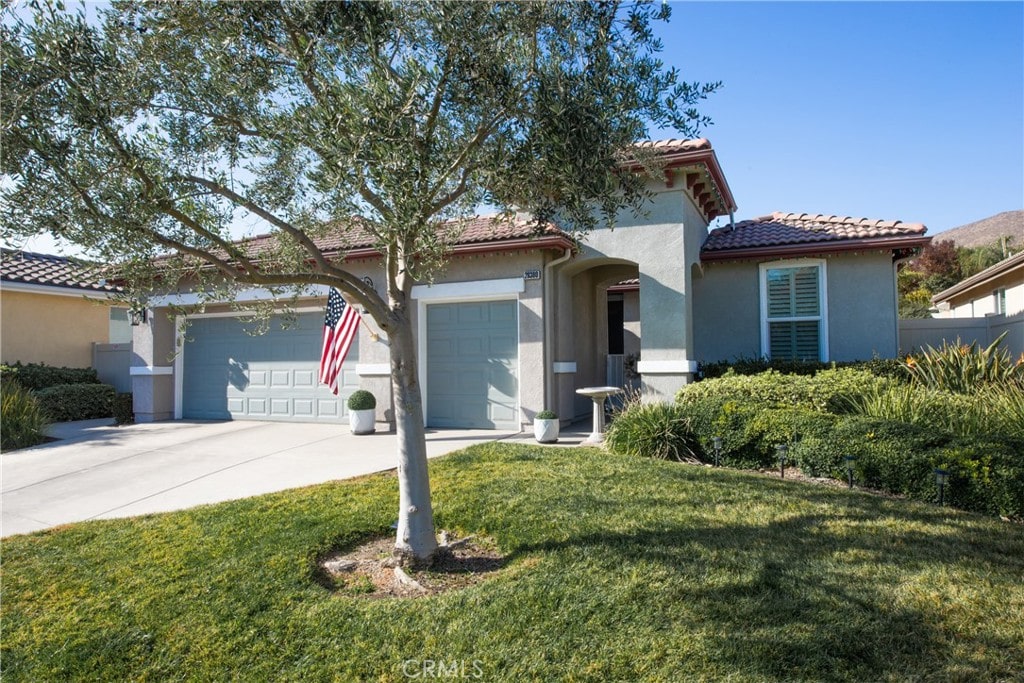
545, 427
362, 412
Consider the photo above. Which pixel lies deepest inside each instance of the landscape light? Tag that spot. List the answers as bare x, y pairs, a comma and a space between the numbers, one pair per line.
941, 477
850, 459
782, 450
717, 442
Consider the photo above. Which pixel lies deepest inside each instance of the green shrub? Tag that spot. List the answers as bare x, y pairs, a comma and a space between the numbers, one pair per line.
985, 475
67, 402
361, 399
790, 426
654, 430
891, 368
546, 415
21, 419
36, 376
963, 369
124, 409
820, 456
891, 465
829, 390
858, 431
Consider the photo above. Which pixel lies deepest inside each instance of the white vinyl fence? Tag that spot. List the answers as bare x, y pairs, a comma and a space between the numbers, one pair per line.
914, 334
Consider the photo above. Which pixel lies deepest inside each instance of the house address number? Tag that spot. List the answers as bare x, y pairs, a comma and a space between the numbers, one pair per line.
531, 275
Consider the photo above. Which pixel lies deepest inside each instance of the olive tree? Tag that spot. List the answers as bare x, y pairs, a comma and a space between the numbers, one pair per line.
149, 132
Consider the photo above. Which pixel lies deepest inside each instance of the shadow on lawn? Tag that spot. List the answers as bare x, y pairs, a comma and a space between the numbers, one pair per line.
800, 598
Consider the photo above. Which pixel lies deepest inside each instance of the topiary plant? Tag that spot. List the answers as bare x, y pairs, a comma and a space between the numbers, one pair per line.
546, 415
361, 399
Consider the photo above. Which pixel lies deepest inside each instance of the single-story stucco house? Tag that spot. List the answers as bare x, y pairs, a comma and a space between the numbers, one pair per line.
997, 290
55, 309
520, 319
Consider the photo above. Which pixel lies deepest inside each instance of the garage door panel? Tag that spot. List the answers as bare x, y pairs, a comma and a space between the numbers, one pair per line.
229, 374
326, 408
472, 351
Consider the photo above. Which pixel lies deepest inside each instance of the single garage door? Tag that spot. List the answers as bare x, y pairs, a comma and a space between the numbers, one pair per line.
230, 373
472, 365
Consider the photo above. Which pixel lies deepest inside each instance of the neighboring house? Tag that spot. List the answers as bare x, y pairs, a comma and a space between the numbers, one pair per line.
53, 310
522, 318
997, 290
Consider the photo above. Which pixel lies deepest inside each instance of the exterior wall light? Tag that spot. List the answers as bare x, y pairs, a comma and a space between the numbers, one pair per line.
137, 315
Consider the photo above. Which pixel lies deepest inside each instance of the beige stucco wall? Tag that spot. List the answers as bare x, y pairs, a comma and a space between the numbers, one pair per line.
53, 329
979, 301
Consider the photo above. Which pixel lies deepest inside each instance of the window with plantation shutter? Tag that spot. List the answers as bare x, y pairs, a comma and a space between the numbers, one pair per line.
792, 310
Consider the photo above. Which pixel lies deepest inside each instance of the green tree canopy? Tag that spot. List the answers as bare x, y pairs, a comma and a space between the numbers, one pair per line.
158, 128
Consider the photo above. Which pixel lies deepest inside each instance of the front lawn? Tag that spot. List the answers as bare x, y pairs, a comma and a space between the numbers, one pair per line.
619, 569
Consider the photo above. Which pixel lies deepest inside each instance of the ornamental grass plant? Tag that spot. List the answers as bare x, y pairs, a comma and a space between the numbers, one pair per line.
653, 429
22, 420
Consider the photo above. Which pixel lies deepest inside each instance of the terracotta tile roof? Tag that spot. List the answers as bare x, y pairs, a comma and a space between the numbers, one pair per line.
51, 271
672, 145
626, 285
781, 230
476, 230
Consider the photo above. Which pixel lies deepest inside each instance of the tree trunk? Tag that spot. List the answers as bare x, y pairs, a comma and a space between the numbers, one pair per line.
415, 542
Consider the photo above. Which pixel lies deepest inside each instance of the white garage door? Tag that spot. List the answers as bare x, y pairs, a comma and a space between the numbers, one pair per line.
472, 365
230, 373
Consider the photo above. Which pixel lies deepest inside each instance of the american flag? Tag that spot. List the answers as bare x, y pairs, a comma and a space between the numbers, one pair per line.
340, 328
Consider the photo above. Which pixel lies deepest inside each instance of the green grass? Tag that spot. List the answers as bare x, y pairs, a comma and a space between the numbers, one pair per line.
621, 569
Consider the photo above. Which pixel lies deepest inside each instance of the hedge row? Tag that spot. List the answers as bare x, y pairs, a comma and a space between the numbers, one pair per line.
880, 367
813, 416
37, 376
67, 402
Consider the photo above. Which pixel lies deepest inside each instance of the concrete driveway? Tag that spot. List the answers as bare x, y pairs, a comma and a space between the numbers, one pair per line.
100, 471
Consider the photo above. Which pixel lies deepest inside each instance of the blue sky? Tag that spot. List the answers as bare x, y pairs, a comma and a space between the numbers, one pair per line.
911, 111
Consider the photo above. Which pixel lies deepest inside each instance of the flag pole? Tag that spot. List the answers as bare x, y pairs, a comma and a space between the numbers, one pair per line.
374, 336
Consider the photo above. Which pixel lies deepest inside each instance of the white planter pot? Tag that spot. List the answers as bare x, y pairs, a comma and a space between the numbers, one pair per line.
545, 431
362, 421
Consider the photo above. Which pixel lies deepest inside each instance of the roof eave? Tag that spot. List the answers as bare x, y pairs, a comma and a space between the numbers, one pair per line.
546, 242
978, 279
808, 248
691, 157
60, 290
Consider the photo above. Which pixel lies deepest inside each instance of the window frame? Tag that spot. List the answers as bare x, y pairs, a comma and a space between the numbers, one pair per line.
999, 300
821, 318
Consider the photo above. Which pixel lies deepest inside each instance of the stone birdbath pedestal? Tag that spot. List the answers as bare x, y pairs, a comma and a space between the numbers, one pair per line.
598, 395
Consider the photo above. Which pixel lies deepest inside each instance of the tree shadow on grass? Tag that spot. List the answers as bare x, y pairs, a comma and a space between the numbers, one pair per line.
797, 599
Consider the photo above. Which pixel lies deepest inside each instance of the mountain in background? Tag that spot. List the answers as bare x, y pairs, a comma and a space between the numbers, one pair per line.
988, 231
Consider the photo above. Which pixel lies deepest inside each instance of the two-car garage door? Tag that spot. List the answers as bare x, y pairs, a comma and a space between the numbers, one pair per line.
471, 366
230, 373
